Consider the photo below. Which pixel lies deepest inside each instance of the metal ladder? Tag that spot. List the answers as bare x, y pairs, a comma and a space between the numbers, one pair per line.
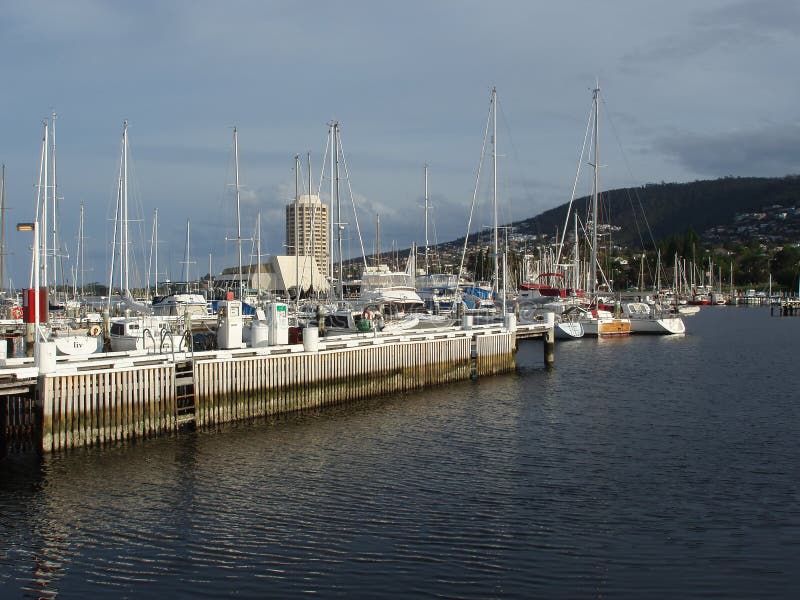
184, 392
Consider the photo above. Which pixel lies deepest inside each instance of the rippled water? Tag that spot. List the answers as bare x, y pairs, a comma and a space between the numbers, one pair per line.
640, 467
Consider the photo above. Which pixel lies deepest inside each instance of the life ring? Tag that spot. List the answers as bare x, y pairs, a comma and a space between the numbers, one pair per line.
16, 312
94, 330
367, 314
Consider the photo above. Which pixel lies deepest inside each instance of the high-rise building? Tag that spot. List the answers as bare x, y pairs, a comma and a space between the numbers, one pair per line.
310, 234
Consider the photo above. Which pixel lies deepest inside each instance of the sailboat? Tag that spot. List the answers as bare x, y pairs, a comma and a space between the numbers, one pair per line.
598, 322
439, 291
161, 331
68, 340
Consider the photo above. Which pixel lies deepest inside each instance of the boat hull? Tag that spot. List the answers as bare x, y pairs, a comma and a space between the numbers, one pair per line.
658, 326
126, 343
607, 327
569, 330
77, 344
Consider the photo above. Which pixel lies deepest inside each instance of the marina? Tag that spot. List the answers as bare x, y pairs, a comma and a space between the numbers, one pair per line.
113, 397
399, 300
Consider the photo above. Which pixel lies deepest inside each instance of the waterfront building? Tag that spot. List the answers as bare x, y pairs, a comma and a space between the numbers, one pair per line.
307, 230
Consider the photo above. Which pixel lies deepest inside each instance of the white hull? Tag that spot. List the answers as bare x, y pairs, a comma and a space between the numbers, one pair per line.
154, 334
569, 330
125, 343
645, 320
662, 326
77, 344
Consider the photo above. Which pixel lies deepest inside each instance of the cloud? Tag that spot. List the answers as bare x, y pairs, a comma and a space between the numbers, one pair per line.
728, 29
770, 151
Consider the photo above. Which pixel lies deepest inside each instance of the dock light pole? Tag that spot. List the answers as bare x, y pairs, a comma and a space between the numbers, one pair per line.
34, 227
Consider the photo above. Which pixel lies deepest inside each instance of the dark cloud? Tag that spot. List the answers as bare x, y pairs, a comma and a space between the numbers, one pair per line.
729, 28
772, 151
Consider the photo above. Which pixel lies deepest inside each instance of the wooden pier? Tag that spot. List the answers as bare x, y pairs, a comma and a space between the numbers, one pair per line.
786, 307
121, 396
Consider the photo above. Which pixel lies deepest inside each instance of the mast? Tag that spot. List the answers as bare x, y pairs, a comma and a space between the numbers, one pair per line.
155, 251
496, 282
258, 249
296, 228
330, 215
238, 209
124, 231
593, 270
427, 206
338, 211
3, 229
658, 272
186, 259
577, 259
313, 250
53, 220
209, 277
43, 263
378, 241
81, 258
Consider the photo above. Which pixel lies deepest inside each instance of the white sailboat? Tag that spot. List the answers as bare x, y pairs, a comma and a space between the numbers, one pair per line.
153, 332
598, 322
656, 319
68, 340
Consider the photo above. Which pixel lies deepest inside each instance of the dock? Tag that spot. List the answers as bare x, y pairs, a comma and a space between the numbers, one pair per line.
115, 397
786, 307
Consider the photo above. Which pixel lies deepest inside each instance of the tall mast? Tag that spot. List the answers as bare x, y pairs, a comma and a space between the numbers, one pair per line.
496, 282
296, 228
209, 276
238, 209
43, 264
155, 251
313, 205
53, 219
593, 269
426, 219
330, 214
186, 259
378, 241
81, 258
124, 231
258, 250
339, 226
576, 282
3, 229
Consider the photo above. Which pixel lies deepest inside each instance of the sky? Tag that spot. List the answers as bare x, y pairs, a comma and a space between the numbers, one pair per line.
690, 90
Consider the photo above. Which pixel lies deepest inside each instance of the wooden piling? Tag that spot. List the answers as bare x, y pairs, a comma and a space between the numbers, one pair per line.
130, 402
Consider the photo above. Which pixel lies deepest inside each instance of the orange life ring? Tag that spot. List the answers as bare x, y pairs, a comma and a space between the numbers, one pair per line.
94, 330
16, 312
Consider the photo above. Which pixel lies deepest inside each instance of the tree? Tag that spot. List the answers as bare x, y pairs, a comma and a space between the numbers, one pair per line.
785, 267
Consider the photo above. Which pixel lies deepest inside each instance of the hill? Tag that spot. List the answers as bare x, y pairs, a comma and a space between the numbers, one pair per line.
711, 208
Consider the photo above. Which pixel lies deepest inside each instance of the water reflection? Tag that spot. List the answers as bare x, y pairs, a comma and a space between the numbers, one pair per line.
652, 466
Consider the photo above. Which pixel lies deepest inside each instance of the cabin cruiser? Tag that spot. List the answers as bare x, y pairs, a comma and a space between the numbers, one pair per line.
152, 333
178, 305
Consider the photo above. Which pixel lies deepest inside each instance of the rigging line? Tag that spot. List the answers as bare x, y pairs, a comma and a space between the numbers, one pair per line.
630, 173
352, 200
575, 184
114, 239
518, 162
224, 214
322, 171
475, 191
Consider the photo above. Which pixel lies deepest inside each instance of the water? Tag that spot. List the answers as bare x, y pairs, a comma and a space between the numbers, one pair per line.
641, 467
